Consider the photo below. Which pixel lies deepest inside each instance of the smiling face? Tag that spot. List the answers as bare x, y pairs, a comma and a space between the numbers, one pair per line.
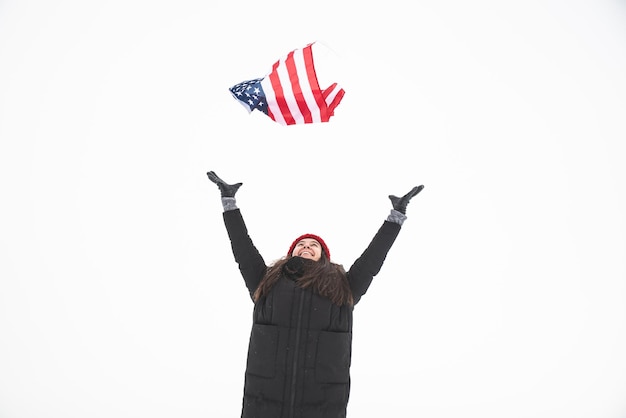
308, 248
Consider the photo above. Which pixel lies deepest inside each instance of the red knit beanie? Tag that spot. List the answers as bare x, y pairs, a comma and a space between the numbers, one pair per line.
316, 238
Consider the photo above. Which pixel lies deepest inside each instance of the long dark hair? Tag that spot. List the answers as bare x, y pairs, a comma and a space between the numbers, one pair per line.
323, 277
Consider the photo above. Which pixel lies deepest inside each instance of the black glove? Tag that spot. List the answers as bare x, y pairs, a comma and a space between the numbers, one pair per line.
400, 203
228, 190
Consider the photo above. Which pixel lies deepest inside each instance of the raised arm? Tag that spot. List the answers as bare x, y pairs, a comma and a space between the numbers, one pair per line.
363, 270
251, 263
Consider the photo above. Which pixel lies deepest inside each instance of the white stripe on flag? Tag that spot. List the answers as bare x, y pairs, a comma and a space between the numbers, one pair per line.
270, 98
307, 90
332, 95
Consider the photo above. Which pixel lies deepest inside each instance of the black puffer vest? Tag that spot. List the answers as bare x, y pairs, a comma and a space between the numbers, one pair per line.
300, 345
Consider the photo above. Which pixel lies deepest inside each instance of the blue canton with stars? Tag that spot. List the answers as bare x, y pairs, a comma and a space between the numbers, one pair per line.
251, 94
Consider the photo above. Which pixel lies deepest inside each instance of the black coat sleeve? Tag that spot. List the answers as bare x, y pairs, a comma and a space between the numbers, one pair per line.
368, 265
251, 263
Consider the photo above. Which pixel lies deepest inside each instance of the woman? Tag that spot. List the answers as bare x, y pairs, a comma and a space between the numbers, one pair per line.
301, 341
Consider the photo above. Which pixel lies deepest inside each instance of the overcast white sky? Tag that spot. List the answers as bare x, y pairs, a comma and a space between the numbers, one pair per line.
503, 297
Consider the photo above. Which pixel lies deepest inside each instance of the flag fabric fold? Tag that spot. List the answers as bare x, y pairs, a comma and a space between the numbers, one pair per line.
290, 93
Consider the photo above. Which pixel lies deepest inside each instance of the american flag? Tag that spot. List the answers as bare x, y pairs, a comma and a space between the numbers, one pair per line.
290, 94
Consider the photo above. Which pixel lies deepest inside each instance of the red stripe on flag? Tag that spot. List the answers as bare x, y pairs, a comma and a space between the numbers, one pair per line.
313, 83
336, 100
280, 98
294, 79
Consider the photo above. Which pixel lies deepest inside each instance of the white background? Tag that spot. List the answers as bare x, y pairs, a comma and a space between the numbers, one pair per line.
504, 295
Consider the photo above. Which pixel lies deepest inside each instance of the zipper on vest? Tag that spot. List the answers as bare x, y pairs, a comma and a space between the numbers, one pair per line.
294, 367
